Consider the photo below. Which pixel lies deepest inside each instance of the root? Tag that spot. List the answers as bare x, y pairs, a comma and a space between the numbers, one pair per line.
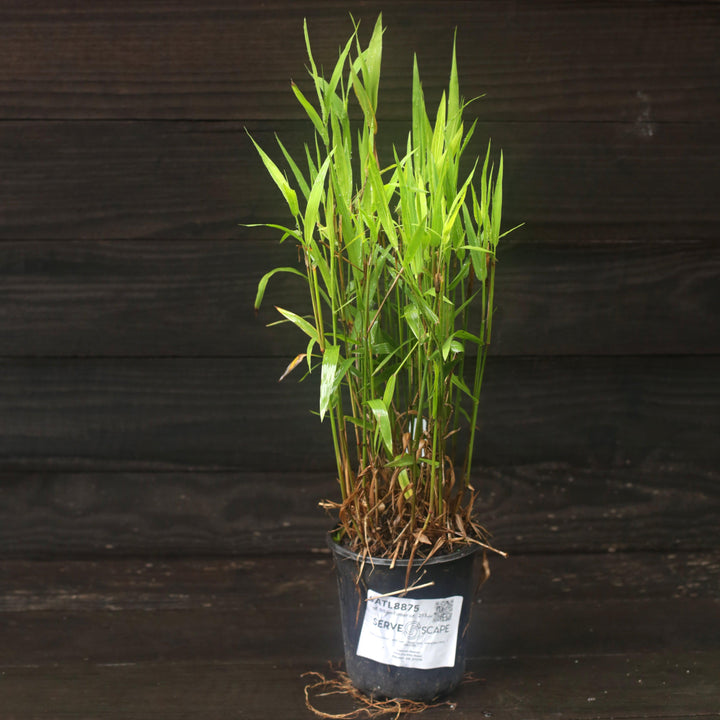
340, 684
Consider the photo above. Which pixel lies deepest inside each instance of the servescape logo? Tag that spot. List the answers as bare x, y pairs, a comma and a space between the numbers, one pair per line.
413, 629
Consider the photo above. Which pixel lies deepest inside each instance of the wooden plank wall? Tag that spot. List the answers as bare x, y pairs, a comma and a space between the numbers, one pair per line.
140, 411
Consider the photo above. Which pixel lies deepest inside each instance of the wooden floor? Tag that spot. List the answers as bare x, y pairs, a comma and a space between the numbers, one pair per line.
610, 635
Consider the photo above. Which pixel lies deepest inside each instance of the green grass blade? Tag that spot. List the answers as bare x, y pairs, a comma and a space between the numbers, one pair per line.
327, 377
454, 103
420, 122
313, 68
412, 318
313, 203
497, 203
301, 323
280, 180
338, 71
405, 484
287, 232
380, 411
312, 114
381, 203
373, 61
266, 277
299, 177
389, 390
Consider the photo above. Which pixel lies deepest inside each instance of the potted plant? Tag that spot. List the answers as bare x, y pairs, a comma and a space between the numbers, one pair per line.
398, 255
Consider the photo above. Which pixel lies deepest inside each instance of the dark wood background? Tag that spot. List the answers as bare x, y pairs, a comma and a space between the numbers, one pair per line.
140, 412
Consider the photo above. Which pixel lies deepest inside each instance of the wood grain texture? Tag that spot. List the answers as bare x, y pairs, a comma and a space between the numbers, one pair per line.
281, 610
586, 635
681, 686
228, 584
199, 180
193, 299
220, 414
638, 62
529, 509
140, 412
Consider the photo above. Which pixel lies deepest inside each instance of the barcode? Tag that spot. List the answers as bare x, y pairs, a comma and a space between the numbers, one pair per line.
443, 610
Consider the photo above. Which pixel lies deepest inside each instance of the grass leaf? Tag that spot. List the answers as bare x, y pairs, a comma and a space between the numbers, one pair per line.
380, 411
280, 180
327, 377
313, 203
301, 323
293, 364
312, 114
266, 277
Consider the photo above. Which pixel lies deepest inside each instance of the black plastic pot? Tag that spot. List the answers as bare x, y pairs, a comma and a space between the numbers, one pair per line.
405, 646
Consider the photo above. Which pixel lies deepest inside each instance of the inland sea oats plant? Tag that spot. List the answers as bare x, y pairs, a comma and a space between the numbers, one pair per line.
399, 261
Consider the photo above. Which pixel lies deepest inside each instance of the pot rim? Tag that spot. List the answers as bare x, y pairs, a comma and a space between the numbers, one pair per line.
400, 562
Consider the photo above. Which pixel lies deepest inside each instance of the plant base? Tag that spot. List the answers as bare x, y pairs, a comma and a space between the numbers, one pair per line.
405, 644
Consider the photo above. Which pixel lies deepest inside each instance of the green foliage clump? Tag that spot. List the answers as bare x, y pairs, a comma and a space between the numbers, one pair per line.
397, 258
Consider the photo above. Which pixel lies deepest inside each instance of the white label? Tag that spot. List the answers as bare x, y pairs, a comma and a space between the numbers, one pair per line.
410, 633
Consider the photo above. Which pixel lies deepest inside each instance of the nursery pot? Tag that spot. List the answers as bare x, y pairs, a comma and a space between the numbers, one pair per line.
408, 645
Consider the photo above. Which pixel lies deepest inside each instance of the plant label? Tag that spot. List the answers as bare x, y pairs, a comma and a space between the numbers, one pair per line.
410, 633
